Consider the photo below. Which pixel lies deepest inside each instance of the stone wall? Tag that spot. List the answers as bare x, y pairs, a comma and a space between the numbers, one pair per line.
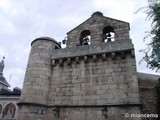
82, 80
94, 82
149, 99
93, 113
93, 79
103, 75
32, 112
148, 95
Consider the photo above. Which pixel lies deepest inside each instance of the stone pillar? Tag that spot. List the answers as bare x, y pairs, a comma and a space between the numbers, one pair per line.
37, 79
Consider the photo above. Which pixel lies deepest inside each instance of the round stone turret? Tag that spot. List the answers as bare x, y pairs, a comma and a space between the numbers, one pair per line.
38, 72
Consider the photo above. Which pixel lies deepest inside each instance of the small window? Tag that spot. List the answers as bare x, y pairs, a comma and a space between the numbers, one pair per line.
85, 37
108, 34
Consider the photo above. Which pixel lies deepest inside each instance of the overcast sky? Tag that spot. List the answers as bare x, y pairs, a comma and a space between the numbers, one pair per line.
21, 21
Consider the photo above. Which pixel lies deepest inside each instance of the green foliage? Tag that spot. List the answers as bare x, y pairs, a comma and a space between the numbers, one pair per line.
152, 52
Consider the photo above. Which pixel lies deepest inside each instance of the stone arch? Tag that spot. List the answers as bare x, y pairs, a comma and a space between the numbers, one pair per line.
108, 34
85, 37
9, 111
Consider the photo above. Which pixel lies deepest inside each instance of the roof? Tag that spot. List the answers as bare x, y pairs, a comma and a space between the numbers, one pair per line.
3, 80
147, 80
48, 39
6, 91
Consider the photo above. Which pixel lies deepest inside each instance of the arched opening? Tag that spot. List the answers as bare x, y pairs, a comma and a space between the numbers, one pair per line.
85, 37
108, 34
9, 111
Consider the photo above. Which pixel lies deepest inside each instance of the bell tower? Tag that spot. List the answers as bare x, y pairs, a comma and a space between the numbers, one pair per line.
97, 29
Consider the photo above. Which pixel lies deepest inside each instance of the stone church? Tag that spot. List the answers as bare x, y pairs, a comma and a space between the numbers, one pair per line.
93, 78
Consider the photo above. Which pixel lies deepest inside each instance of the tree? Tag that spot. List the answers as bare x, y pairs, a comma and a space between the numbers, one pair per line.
152, 52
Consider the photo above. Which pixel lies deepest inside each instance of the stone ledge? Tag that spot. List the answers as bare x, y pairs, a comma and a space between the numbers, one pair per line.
71, 106
94, 58
31, 104
78, 51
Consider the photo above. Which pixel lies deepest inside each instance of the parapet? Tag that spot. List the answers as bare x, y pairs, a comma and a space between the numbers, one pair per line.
102, 49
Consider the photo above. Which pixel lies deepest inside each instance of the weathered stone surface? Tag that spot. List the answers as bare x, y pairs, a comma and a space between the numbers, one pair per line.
95, 24
93, 49
82, 80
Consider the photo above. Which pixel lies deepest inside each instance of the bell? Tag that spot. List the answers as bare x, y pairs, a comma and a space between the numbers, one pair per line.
85, 41
109, 35
64, 41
